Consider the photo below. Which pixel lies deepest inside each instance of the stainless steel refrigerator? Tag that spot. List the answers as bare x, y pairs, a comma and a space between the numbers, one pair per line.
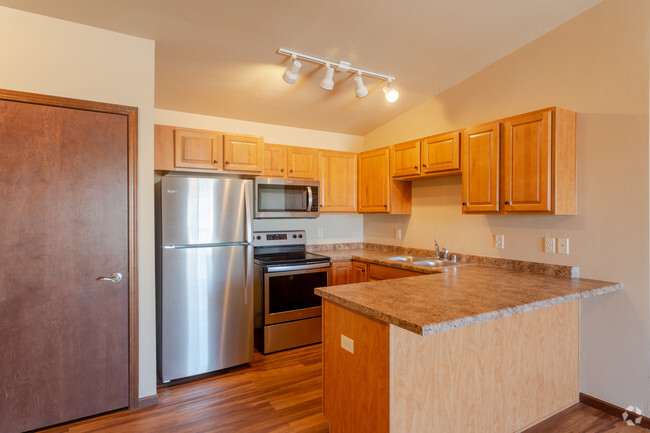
204, 281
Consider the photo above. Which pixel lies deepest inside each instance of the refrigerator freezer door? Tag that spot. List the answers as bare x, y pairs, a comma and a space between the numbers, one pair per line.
198, 210
207, 309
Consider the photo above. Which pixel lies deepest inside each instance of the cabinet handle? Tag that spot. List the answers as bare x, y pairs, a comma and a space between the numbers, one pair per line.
464, 204
227, 162
215, 161
507, 202
282, 170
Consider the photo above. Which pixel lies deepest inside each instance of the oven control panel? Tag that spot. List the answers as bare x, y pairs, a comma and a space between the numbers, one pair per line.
291, 237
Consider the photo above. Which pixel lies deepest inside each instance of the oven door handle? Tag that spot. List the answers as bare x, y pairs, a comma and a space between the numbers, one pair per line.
272, 269
310, 199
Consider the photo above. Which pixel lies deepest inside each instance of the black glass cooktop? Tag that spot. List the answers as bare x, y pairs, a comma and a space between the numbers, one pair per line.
290, 258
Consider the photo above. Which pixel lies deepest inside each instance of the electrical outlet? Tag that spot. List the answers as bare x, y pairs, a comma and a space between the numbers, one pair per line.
321, 232
347, 344
499, 241
398, 234
563, 245
549, 245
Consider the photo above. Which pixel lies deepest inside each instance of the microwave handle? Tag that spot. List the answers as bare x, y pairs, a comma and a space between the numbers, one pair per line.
310, 199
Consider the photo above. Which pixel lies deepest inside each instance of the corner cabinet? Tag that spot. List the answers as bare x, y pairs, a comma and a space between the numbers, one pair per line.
337, 173
524, 164
378, 193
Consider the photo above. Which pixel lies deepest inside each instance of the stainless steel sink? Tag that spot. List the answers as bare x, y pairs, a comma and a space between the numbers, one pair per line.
423, 261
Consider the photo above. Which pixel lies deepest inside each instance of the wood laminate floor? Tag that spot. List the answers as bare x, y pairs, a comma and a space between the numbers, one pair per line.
278, 393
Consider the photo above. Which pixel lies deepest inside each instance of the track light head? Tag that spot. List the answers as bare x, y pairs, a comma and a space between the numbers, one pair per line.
361, 90
291, 74
391, 94
327, 82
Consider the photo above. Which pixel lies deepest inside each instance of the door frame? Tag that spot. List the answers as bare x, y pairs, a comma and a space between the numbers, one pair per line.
131, 114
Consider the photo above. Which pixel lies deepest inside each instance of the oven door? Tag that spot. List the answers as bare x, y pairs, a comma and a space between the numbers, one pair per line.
289, 292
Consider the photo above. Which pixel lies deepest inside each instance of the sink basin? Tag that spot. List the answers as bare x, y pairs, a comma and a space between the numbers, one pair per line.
423, 261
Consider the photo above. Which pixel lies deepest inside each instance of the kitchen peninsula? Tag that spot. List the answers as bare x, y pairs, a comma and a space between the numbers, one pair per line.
475, 348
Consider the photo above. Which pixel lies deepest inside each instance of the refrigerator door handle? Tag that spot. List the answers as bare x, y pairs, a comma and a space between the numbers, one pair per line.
248, 273
248, 214
310, 200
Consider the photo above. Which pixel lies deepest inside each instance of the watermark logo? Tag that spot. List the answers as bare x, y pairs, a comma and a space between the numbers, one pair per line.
630, 418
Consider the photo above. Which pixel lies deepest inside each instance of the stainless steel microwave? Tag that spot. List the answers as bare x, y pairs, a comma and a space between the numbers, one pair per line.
286, 198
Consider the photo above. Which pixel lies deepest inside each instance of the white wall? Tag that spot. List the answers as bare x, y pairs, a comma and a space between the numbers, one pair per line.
55, 57
597, 64
336, 228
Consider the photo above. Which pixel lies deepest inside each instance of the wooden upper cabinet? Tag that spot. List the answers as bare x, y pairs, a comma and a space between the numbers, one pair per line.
275, 160
378, 193
481, 168
302, 162
197, 149
243, 153
374, 180
440, 153
539, 163
337, 172
405, 159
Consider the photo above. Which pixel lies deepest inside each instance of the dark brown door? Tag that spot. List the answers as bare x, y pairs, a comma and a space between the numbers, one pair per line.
64, 223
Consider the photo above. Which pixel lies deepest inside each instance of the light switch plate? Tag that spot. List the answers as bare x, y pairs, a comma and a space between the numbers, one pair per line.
549, 245
398, 234
499, 241
347, 344
321, 232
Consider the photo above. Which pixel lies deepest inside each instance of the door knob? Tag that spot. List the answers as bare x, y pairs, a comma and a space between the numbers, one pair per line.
115, 278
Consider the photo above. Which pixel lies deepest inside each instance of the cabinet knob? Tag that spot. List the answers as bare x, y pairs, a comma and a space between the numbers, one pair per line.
424, 165
464, 204
385, 205
363, 270
227, 162
215, 161
507, 202
321, 205
290, 171
282, 170
416, 167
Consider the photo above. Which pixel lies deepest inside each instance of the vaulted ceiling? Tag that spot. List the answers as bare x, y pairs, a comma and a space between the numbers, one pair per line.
219, 58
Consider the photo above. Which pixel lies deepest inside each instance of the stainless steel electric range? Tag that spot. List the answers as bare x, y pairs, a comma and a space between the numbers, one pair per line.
287, 312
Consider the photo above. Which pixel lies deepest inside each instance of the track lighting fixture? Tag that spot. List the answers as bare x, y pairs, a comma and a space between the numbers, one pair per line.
361, 90
290, 75
327, 83
391, 94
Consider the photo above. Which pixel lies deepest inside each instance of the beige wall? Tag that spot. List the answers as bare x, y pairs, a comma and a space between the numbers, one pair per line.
54, 57
598, 65
336, 228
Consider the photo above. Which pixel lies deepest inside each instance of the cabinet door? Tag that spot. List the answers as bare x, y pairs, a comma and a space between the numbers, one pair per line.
405, 159
275, 160
374, 181
340, 273
359, 272
440, 153
243, 153
481, 168
526, 159
197, 149
337, 172
301, 162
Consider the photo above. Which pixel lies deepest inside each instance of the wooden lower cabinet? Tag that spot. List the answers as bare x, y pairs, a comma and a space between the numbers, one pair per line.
379, 272
340, 273
491, 377
359, 272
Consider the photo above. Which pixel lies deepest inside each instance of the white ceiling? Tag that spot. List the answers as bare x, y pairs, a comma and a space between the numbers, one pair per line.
219, 57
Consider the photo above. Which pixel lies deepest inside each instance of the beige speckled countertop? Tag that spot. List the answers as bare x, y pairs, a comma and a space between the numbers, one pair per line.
462, 296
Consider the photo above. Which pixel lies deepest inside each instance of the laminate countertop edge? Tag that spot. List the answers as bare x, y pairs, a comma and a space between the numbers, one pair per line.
436, 327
